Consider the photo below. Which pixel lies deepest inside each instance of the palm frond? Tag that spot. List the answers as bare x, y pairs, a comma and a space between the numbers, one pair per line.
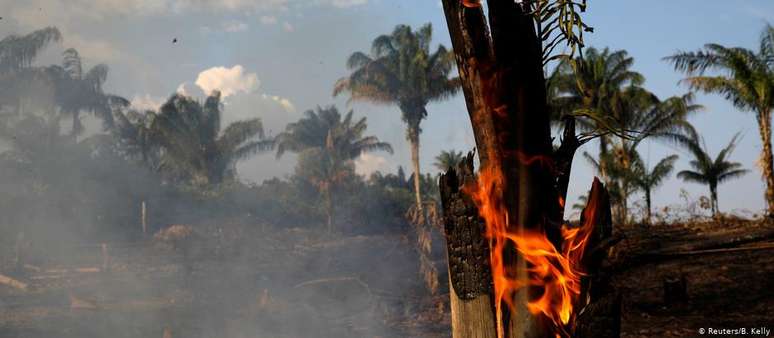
692, 176
732, 175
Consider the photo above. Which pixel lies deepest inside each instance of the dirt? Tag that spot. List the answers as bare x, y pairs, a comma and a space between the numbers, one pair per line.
725, 290
300, 283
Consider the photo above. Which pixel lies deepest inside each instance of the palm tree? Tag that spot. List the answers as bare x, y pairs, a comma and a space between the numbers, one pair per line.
745, 78
594, 85
648, 180
647, 117
606, 95
193, 146
448, 159
133, 131
327, 146
401, 70
17, 53
711, 172
79, 90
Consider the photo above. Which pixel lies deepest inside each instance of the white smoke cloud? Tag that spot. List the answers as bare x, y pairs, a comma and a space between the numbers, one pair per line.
242, 96
228, 81
146, 102
283, 102
367, 164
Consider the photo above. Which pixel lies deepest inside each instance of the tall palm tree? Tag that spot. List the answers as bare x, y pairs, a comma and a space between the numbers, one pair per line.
711, 171
327, 146
745, 78
401, 70
607, 97
80, 90
193, 146
17, 54
649, 179
448, 159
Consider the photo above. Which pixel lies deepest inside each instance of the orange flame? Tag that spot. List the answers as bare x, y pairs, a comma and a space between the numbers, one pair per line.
556, 272
471, 3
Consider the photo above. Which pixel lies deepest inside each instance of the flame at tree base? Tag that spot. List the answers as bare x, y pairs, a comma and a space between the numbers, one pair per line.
557, 272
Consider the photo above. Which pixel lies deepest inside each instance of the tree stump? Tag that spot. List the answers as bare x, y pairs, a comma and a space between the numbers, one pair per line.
675, 289
470, 278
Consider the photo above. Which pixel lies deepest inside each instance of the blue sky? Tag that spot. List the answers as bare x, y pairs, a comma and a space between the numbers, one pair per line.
290, 52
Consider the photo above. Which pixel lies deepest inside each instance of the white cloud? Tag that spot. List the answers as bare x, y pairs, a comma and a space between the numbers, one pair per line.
242, 96
288, 27
228, 81
146, 102
182, 90
234, 26
348, 3
37, 13
367, 164
268, 20
283, 102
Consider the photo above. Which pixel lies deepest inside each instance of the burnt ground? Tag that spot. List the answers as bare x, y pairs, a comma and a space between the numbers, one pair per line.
725, 289
299, 283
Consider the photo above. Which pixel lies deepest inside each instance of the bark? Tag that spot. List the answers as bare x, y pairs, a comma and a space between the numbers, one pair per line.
601, 319
600, 314
144, 219
413, 138
470, 279
563, 161
329, 208
767, 160
647, 205
603, 150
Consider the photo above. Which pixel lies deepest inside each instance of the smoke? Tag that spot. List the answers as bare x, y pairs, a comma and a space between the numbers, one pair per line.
257, 261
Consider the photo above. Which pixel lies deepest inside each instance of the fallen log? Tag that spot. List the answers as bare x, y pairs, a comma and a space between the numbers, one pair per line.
708, 247
730, 241
77, 303
16, 284
677, 254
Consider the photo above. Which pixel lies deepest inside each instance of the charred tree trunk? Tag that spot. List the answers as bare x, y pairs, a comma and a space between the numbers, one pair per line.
599, 308
505, 91
470, 279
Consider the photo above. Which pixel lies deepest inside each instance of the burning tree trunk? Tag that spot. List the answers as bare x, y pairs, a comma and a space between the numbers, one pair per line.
505, 239
470, 278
